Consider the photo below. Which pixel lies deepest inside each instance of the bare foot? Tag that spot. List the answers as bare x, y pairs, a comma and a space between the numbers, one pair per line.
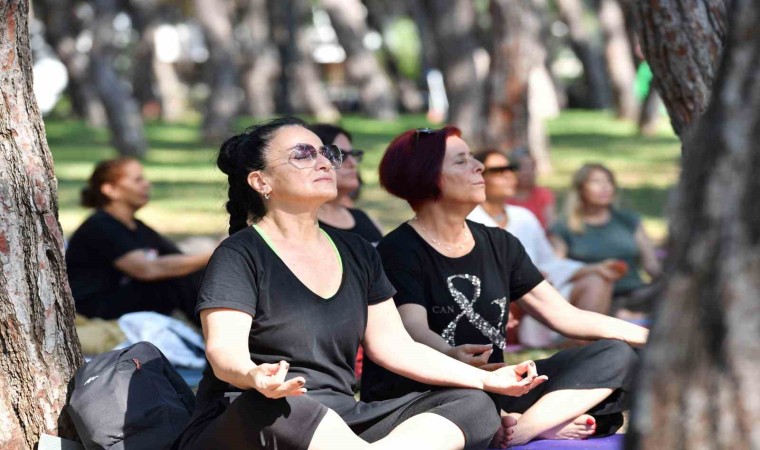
579, 428
503, 436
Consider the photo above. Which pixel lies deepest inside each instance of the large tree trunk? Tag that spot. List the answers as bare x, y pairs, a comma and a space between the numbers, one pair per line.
124, 118
261, 60
453, 23
619, 59
221, 69
682, 41
62, 29
517, 51
376, 94
596, 84
699, 386
38, 343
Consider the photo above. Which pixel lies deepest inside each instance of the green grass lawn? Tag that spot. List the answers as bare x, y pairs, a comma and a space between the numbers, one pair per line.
189, 192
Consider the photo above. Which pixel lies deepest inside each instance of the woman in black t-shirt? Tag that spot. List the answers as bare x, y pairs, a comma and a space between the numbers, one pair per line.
454, 280
116, 264
284, 305
333, 213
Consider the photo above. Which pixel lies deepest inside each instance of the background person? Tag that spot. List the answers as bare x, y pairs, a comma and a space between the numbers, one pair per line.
117, 264
595, 230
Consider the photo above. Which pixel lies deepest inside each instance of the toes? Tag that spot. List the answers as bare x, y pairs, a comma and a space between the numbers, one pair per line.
508, 421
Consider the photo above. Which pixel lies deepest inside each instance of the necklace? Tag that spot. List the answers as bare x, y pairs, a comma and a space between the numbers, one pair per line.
446, 246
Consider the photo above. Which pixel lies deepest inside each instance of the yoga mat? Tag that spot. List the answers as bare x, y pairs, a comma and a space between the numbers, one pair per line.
614, 442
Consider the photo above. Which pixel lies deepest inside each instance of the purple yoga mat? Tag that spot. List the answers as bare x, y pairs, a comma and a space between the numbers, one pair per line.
614, 442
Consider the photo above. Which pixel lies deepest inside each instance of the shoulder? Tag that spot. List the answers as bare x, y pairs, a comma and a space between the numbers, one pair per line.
358, 213
400, 245
245, 242
347, 239
519, 213
561, 229
481, 216
630, 219
544, 193
491, 236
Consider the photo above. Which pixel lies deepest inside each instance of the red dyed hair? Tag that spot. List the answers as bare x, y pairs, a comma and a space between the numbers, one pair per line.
411, 166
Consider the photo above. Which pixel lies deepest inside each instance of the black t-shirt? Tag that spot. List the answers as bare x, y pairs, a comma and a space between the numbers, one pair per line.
94, 247
466, 298
363, 226
318, 337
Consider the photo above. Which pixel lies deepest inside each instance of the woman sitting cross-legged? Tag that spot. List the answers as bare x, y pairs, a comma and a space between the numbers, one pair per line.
454, 280
587, 286
284, 306
117, 264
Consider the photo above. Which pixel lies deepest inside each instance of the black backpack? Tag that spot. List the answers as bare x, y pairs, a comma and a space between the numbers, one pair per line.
130, 399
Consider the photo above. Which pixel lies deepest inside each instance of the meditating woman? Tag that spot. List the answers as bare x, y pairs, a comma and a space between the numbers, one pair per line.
454, 280
284, 305
333, 213
595, 230
116, 264
587, 286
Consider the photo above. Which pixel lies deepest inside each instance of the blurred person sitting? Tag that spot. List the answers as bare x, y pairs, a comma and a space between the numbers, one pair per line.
538, 199
587, 286
335, 213
595, 230
116, 264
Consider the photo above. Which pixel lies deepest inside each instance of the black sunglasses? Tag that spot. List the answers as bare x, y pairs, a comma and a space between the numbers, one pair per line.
357, 154
499, 169
421, 132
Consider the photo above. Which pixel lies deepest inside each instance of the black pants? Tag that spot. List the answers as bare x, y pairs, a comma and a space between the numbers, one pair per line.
158, 296
254, 422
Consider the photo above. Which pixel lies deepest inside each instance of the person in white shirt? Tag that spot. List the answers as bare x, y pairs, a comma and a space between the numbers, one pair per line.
587, 286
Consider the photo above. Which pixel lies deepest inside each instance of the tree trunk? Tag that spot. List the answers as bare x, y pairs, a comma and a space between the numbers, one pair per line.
304, 89
683, 42
699, 386
597, 88
619, 59
40, 349
122, 111
261, 65
453, 23
221, 69
517, 51
376, 94
62, 28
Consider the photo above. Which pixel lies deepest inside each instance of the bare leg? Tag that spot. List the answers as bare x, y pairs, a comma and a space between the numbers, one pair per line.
423, 431
592, 293
555, 414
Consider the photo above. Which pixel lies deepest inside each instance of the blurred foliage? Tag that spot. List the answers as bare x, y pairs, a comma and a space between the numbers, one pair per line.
189, 192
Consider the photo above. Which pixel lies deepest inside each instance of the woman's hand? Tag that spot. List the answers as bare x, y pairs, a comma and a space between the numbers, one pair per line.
513, 380
467, 354
269, 379
611, 269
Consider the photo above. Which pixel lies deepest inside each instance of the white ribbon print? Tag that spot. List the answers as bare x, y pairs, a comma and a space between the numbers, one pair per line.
468, 310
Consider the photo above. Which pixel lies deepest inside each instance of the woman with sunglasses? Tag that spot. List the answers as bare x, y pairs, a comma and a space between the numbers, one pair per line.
284, 305
454, 280
334, 213
588, 287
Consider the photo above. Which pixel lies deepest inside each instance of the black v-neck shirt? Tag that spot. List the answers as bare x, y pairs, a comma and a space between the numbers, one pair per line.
317, 336
466, 298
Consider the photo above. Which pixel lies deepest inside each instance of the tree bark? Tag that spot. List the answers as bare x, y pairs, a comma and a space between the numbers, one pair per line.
517, 51
221, 69
699, 384
261, 65
38, 343
597, 87
683, 42
124, 118
453, 23
62, 29
619, 59
376, 93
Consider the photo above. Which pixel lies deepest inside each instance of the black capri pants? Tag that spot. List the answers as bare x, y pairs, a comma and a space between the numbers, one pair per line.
254, 422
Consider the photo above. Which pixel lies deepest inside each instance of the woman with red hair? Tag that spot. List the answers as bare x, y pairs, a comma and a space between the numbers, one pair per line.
454, 280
